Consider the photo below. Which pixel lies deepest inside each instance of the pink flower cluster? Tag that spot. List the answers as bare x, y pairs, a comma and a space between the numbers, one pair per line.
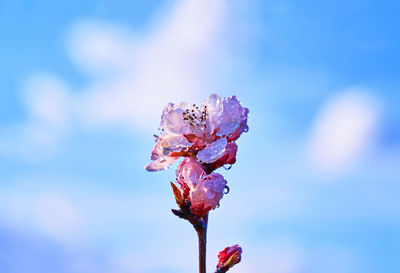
205, 135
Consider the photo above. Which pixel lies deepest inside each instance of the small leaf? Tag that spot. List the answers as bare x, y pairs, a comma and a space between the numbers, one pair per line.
177, 194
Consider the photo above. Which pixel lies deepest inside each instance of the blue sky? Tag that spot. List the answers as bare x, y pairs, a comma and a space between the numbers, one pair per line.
82, 86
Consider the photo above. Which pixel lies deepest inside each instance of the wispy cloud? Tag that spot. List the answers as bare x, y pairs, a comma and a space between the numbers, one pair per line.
146, 72
343, 129
48, 106
130, 72
167, 64
53, 214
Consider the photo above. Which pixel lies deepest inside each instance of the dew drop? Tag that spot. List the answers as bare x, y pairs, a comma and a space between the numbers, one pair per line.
226, 190
227, 166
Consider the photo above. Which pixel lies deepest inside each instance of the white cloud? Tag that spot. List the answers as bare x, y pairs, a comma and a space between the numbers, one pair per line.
99, 47
48, 108
47, 100
132, 76
343, 129
135, 76
53, 214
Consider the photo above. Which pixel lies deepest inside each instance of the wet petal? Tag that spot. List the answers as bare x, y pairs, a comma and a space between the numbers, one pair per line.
208, 193
189, 172
161, 163
232, 117
162, 150
173, 143
213, 104
212, 151
229, 157
172, 119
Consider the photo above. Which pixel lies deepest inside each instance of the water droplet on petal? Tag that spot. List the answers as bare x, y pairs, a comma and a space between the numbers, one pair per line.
226, 190
227, 166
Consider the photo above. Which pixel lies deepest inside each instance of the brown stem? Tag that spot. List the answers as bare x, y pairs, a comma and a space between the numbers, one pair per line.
200, 225
202, 234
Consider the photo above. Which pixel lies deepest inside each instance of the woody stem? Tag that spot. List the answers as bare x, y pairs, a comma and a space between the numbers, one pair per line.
200, 225
202, 234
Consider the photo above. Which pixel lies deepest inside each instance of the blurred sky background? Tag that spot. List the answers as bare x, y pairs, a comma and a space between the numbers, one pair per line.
316, 187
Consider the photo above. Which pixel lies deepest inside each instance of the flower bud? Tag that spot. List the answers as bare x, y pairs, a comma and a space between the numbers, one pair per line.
207, 194
204, 191
229, 257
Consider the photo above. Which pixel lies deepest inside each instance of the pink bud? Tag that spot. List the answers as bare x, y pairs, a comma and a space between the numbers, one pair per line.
229, 257
204, 191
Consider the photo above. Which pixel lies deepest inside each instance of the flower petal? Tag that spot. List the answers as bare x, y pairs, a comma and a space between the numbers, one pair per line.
207, 194
212, 151
213, 105
229, 157
173, 143
161, 163
172, 119
189, 172
232, 117
162, 150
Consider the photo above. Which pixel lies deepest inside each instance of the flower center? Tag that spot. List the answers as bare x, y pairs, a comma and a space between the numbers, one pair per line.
197, 119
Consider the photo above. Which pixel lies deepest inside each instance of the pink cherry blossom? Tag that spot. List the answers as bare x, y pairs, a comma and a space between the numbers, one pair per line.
203, 190
229, 257
206, 132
